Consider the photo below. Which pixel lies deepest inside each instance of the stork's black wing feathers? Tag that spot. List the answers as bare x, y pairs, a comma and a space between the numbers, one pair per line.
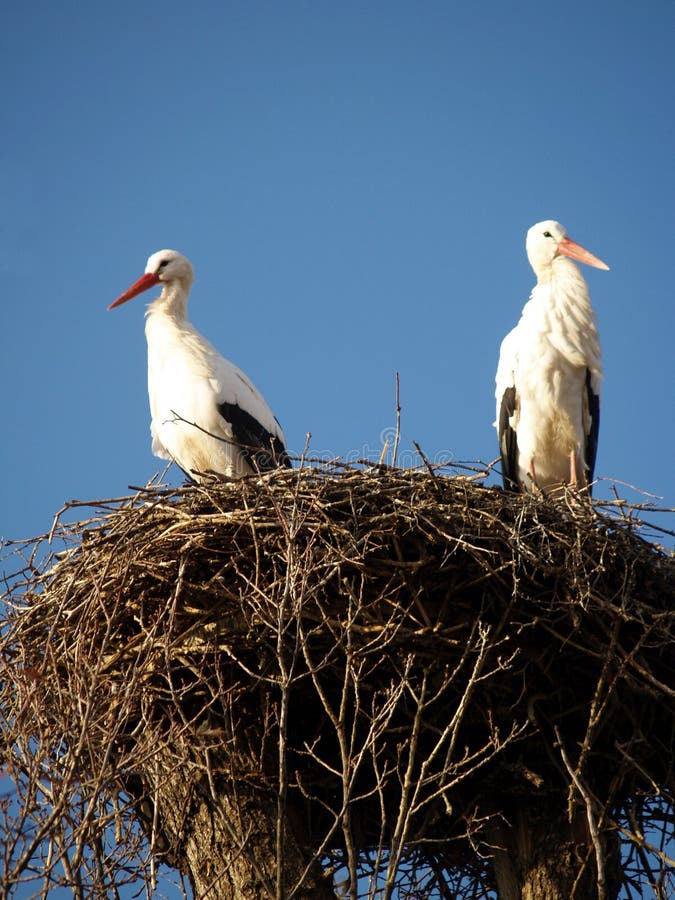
592, 436
262, 449
508, 441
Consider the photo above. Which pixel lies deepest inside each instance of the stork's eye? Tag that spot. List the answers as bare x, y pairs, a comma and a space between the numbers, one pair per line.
164, 263
547, 234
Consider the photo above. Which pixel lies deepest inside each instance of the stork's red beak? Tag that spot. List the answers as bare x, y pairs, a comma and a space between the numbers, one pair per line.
144, 282
576, 251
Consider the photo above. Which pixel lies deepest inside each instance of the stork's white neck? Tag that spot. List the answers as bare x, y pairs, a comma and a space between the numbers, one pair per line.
560, 268
562, 286
172, 302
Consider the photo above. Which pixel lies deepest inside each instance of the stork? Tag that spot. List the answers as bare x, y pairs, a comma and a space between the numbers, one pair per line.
206, 414
549, 372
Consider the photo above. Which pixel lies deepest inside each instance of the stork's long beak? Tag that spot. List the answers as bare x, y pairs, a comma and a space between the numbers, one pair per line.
576, 251
144, 282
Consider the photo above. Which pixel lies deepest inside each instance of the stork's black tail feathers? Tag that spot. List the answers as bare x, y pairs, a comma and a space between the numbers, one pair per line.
263, 450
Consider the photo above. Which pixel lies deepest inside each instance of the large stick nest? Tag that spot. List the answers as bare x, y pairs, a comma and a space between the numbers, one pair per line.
400, 640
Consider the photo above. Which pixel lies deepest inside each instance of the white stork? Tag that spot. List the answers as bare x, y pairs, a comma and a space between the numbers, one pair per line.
549, 373
206, 414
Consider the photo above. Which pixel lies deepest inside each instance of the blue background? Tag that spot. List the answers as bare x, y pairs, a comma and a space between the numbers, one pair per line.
353, 183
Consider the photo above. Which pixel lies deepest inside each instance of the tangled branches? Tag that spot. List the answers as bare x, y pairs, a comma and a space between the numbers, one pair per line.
340, 682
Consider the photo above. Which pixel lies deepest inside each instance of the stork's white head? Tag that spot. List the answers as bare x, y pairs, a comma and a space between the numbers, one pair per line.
548, 240
167, 266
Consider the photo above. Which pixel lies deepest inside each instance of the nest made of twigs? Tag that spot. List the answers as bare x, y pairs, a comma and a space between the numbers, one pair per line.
399, 634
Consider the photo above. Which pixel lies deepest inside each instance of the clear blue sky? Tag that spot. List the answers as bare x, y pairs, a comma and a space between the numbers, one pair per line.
353, 183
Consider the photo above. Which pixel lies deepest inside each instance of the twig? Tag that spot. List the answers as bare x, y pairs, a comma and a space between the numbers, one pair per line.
397, 438
590, 818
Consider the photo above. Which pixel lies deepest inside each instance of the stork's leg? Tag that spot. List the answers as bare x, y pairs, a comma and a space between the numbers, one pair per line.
533, 476
574, 480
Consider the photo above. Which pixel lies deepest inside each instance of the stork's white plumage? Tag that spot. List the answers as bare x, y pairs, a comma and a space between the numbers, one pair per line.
549, 373
206, 414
